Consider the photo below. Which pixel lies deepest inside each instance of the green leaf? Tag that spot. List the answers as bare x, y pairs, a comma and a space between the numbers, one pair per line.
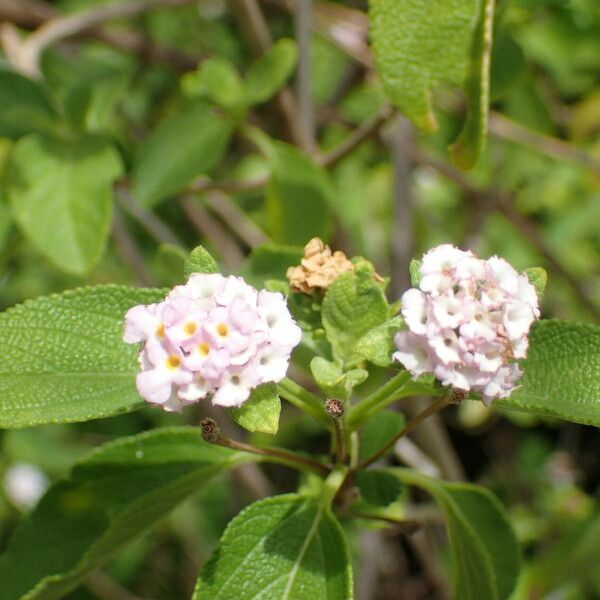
485, 552
181, 148
538, 279
261, 411
378, 487
199, 261
61, 196
270, 72
333, 381
23, 106
378, 431
285, 547
64, 357
326, 374
353, 305
377, 345
470, 143
419, 45
297, 187
561, 373
217, 80
415, 272
113, 495
270, 261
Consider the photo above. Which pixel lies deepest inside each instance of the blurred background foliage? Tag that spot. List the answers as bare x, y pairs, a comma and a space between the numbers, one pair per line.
128, 139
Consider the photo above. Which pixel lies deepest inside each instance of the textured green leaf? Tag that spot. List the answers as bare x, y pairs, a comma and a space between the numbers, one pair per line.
270, 72
64, 358
377, 345
378, 487
23, 106
282, 548
217, 80
297, 187
181, 148
199, 261
418, 45
61, 196
470, 143
261, 411
113, 495
561, 373
353, 305
327, 375
335, 382
269, 261
538, 279
485, 552
379, 430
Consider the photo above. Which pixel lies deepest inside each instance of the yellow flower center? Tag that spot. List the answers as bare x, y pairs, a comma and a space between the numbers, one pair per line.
160, 331
173, 362
222, 329
203, 349
190, 328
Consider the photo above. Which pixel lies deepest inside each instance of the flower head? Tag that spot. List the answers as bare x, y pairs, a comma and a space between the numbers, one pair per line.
213, 337
467, 322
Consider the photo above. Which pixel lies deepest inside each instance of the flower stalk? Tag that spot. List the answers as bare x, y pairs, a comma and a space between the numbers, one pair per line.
211, 433
452, 397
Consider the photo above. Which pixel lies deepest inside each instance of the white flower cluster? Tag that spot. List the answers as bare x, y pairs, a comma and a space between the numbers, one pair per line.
214, 336
468, 322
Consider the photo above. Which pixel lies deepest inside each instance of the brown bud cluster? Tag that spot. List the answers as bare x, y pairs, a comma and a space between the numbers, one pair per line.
334, 407
210, 430
318, 268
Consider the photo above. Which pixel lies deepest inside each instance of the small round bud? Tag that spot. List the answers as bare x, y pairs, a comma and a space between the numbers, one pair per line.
457, 395
211, 432
334, 407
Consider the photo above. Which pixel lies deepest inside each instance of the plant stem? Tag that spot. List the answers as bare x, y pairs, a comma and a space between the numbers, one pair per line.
277, 455
406, 525
304, 400
433, 408
340, 444
385, 395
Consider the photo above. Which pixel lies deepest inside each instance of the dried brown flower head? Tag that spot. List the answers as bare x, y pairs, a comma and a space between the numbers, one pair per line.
318, 268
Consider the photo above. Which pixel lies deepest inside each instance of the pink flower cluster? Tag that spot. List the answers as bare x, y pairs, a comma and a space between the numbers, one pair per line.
214, 336
468, 322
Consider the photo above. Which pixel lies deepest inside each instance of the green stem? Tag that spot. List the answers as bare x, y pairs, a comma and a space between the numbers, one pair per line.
340, 441
333, 483
433, 408
304, 400
276, 455
385, 395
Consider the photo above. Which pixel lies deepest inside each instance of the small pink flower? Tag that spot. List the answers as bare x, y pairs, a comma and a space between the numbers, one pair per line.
467, 322
213, 337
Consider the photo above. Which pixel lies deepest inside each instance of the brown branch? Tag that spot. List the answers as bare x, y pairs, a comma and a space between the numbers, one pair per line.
154, 226
353, 140
529, 230
329, 159
239, 222
127, 248
507, 129
430, 410
26, 59
303, 21
106, 588
212, 230
255, 30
